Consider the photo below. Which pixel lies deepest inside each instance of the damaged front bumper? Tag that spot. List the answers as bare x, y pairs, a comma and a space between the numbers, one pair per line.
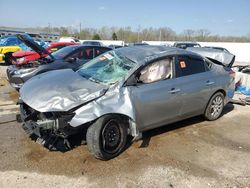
48, 128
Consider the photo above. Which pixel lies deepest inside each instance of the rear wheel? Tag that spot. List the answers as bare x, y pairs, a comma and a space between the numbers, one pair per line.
215, 107
106, 137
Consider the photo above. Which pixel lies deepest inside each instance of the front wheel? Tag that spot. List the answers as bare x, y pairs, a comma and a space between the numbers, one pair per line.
106, 137
215, 107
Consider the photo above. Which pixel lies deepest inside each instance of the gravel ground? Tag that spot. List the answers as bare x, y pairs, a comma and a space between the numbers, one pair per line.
191, 153
3, 71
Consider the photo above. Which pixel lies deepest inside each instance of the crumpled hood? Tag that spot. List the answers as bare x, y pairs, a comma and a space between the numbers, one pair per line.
225, 58
59, 90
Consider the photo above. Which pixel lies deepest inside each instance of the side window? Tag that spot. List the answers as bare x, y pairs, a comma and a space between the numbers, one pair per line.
187, 66
99, 51
87, 53
75, 54
84, 53
156, 71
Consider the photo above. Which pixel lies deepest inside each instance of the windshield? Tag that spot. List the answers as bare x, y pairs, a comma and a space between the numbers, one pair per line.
13, 41
3, 41
107, 68
9, 41
63, 52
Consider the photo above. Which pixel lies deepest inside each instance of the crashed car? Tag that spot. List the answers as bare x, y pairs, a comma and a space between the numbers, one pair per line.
122, 93
23, 57
8, 45
70, 57
184, 45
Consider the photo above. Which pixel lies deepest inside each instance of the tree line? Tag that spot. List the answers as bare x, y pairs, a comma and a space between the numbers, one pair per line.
148, 34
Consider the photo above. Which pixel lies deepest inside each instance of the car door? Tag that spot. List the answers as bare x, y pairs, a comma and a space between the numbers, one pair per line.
156, 102
194, 80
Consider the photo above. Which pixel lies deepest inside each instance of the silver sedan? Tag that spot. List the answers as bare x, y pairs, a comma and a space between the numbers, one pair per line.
124, 92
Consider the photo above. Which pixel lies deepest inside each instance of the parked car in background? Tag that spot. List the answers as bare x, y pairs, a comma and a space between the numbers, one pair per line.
68, 39
217, 48
23, 57
9, 45
123, 92
137, 44
113, 46
185, 45
92, 42
70, 57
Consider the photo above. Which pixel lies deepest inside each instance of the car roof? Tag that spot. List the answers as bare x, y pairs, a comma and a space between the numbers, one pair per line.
147, 53
62, 43
186, 42
88, 46
91, 41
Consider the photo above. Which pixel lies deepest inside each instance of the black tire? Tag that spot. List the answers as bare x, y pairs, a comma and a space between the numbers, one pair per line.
107, 136
215, 107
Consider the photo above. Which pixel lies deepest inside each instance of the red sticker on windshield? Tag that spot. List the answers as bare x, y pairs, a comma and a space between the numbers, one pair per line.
183, 64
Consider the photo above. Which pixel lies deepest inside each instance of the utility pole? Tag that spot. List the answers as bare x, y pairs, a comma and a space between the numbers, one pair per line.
49, 28
160, 36
138, 33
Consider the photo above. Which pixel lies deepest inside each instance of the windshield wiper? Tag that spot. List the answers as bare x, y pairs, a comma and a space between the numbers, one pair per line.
94, 80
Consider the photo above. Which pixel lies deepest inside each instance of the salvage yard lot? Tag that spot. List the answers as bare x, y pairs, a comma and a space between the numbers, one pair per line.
190, 153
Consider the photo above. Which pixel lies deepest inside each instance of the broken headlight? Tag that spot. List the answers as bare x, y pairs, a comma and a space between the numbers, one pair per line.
24, 71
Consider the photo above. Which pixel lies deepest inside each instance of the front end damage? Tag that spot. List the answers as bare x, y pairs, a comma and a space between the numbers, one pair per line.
50, 129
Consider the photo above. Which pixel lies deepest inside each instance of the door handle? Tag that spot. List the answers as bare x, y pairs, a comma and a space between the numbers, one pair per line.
173, 91
209, 83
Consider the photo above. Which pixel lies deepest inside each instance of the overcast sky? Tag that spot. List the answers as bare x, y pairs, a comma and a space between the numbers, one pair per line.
223, 17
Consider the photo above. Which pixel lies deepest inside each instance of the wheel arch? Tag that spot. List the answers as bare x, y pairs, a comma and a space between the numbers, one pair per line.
218, 90
132, 127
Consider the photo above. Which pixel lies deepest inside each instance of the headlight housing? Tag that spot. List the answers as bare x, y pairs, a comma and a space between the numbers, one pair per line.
24, 71
21, 59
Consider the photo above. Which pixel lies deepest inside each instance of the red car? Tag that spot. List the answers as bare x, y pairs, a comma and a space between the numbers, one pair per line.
23, 57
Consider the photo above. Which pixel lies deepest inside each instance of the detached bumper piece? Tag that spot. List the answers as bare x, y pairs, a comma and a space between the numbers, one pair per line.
48, 129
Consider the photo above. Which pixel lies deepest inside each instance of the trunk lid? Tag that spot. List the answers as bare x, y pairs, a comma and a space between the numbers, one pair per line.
225, 58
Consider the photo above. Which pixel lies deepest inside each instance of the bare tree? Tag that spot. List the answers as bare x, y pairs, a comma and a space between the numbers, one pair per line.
202, 34
188, 34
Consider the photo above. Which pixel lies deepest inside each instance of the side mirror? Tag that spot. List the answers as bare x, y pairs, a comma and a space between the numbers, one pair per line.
132, 81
